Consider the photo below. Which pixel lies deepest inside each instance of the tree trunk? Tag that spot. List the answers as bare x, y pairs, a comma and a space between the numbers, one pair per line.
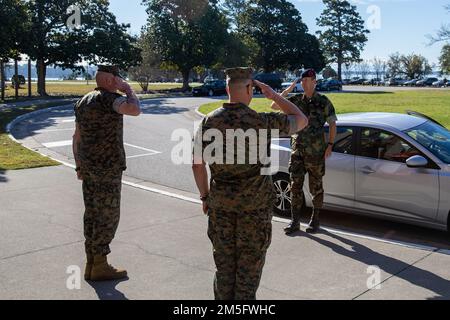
16, 79
2, 81
185, 74
41, 72
340, 68
29, 78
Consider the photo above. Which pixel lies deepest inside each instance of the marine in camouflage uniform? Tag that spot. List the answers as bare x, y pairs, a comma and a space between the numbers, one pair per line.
308, 155
240, 199
100, 156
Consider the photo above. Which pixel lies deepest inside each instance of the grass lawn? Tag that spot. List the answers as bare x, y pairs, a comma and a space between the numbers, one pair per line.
80, 88
434, 103
12, 155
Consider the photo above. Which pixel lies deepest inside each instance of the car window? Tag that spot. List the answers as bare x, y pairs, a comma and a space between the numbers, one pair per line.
379, 144
344, 140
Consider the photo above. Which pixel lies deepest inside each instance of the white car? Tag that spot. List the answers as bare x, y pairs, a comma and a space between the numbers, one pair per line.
384, 165
287, 84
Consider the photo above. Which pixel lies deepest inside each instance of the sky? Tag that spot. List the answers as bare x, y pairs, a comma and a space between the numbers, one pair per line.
396, 25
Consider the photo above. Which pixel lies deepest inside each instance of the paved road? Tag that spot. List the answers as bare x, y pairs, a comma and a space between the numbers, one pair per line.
149, 147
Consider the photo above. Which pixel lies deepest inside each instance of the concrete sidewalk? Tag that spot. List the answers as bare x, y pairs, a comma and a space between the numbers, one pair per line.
162, 242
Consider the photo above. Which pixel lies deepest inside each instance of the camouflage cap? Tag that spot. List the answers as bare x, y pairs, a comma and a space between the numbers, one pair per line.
308, 73
109, 69
239, 73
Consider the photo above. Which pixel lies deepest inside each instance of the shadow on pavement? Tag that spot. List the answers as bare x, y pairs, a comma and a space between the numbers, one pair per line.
106, 290
161, 107
402, 270
3, 176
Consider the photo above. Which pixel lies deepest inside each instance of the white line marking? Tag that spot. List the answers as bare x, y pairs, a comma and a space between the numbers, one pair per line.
356, 235
68, 120
141, 148
58, 144
54, 130
143, 155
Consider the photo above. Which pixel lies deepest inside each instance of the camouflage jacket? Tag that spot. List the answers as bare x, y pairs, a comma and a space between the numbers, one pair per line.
241, 186
311, 142
101, 129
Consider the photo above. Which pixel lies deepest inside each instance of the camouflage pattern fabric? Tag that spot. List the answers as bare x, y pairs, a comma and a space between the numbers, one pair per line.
308, 150
101, 195
240, 241
319, 110
101, 129
240, 203
241, 187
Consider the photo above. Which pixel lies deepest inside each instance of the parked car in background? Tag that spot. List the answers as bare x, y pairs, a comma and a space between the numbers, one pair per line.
210, 88
346, 81
329, 85
357, 81
411, 83
395, 82
426, 82
440, 83
271, 79
372, 82
385, 165
298, 87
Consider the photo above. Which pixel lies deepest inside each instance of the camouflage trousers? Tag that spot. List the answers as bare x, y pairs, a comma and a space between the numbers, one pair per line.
315, 168
240, 242
101, 195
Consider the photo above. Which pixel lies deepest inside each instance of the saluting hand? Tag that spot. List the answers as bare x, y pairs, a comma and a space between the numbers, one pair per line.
290, 89
268, 92
122, 85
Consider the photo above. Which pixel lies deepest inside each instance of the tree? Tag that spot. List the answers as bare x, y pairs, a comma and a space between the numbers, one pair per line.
379, 67
329, 72
345, 36
443, 33
412, 66
348, 70
148, 67
394, 65
363, 69
277, 38
186, 34
233, 9
444, 59
13, 17
54, 40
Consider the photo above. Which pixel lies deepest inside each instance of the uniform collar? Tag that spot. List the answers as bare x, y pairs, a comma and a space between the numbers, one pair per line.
314, 96
234, 105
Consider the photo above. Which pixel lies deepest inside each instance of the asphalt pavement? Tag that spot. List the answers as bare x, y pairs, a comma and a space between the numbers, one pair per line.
162, 242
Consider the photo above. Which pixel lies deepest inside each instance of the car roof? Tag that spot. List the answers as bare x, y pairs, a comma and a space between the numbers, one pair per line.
383, 119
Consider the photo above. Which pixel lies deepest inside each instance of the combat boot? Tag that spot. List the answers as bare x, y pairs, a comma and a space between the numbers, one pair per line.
294, 226
89, 264
102, 271
314, 224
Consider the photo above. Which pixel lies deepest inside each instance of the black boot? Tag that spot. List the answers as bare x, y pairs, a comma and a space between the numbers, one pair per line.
294, 226
314, 224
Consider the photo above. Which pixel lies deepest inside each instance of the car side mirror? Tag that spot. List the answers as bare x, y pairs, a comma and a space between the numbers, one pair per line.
417, 162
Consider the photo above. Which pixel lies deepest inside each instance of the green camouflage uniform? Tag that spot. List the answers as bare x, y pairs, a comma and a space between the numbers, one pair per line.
240, 204
102, 156
308, 150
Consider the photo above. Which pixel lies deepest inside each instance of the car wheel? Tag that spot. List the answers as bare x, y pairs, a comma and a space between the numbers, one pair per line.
211, 93
282, 184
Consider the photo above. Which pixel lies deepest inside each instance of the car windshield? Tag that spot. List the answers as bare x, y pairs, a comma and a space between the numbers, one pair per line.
433, 137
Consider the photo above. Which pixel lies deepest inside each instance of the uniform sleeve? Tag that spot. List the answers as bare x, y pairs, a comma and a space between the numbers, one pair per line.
118, 102
76, 112
275, 120
197, 143
330, 112
108, 100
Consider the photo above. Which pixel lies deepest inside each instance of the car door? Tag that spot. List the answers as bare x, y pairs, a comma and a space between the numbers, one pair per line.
386, 185
339, 181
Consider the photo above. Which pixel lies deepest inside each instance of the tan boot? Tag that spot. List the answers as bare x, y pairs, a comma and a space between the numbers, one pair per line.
102, 271
89, 264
